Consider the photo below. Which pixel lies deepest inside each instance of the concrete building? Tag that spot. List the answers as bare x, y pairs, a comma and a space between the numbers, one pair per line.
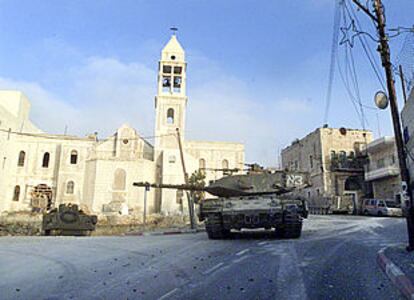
382, 169
334, 159
40, 170
407, 117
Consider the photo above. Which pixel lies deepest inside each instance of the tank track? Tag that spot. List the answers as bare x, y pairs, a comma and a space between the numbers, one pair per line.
214, 227
291, 227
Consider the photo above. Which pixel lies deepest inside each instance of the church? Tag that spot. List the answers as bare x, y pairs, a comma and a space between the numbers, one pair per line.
41, 170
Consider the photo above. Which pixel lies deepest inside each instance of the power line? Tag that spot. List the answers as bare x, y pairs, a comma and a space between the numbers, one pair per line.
367, 50
73, 138
334, 51
350, 71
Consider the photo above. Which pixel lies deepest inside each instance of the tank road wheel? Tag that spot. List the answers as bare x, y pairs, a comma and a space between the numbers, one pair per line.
292, 225
214, 227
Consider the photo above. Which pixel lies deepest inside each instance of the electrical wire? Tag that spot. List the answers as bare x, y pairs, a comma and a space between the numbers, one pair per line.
368, 52
351, 75
73, 138
334, 51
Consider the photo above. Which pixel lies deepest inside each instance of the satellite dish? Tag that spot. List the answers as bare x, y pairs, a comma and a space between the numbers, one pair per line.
381, 100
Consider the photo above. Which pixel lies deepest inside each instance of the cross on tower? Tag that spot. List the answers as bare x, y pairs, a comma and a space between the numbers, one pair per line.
174, 30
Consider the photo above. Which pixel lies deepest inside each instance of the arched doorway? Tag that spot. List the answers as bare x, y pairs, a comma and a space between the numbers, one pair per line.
350, 196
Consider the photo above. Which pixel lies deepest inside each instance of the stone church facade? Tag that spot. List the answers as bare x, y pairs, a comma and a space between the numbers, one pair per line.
40, 170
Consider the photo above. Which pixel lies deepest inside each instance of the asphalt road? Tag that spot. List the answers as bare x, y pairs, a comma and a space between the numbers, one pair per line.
334, 259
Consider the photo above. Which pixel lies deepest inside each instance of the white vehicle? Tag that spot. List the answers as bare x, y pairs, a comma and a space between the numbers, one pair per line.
378, 207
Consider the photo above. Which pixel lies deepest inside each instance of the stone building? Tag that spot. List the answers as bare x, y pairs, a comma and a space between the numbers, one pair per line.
40, 170
382, 169
334, 159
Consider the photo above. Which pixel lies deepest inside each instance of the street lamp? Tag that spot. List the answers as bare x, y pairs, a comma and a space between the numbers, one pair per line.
381, 100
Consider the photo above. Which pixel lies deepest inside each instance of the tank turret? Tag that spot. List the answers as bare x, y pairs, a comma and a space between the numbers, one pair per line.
257, 183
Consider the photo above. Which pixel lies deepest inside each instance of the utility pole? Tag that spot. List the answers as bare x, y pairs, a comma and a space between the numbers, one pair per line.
379, 19
190, 200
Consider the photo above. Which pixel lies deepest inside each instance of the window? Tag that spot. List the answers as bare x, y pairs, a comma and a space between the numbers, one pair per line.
171, 159
73, 157
342, 155
393, 159
225, 164
16, 194
202, 164
119, 180
178, 70
333, 155
46, 158
167, 69
406, 134
380, 163
311, 161
20, 162
177, 84
352, 154
296, 165
397, 198
170, 116
166, 83
70, 187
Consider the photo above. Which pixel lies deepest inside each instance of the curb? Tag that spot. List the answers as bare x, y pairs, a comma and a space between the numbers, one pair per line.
397, 277
155, 233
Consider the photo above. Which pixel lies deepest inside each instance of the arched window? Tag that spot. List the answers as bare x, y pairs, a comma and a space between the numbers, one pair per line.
225, 164
70, 187
22, 156
333, 154
73, 157
202, 164
342, 155
170, 116
16, 194
46, 158
119, 180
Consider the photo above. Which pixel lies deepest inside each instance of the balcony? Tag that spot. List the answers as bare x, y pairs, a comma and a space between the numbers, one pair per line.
348, 164
382, 173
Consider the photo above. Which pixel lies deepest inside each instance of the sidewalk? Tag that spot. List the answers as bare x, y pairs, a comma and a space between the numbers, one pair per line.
398, 265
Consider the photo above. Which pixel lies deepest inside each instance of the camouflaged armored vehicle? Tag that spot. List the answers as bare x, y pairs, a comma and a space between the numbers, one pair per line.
68, 219
254, 200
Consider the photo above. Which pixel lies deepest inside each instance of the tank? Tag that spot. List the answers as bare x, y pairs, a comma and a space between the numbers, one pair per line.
259, 199
68, 219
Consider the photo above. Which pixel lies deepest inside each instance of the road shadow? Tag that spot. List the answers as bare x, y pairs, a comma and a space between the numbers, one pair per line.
253, 235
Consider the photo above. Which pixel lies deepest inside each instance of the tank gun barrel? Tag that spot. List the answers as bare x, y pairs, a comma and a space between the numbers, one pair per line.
186, 187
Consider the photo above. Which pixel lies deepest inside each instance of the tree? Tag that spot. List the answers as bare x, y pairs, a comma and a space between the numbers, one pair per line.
197, 179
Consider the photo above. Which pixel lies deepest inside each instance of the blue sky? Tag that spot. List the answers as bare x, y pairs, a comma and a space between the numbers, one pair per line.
257, 70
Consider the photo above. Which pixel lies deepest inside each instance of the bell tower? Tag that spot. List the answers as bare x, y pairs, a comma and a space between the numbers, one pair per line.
171, 99
170, 107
